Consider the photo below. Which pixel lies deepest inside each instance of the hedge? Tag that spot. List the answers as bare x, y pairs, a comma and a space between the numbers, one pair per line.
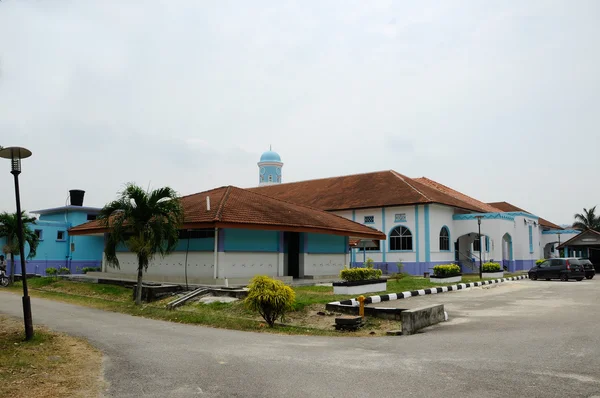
541, 260
491, 267
446, 270
359, 274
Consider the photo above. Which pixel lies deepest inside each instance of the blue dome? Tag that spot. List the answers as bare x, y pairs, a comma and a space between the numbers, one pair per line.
270, 156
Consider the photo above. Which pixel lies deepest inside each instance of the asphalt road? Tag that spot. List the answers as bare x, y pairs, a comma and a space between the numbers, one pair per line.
534, 339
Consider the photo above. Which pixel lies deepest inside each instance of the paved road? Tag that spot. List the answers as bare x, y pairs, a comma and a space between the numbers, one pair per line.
534, 339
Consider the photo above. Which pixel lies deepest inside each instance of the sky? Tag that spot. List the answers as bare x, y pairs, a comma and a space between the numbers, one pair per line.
497, 99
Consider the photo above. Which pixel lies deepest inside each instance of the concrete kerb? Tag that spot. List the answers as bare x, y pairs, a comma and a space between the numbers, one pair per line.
340, 305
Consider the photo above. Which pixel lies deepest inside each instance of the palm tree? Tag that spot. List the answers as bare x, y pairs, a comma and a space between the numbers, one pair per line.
9, 224
587, 220
146, 222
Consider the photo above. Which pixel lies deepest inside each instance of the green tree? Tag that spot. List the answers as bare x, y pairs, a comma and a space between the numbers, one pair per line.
9, 224
147, 223
587, 220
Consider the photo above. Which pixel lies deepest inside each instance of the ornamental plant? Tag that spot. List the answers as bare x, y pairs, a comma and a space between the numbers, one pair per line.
538, 262
360, 274
64, 271
51, 271
491, 267
269, 297
446, 270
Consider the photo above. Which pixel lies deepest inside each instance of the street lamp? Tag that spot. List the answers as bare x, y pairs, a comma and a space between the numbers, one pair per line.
15, 154
480, 244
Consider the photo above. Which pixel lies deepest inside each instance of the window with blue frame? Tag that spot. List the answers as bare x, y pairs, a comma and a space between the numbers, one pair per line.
401, 239
444, 239
530, 239
369, 219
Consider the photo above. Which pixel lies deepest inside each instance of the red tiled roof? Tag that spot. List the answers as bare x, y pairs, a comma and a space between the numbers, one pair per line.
232, 207
484, 207
505, 206
378, 189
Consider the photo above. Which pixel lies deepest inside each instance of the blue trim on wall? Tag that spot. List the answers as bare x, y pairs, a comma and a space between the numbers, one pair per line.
564, 231
243, 240
383, 243
502, 216
450, 243
417, 233
326, 244
427, 236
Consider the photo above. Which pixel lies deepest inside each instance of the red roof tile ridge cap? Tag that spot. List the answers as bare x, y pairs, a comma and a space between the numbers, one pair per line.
202, 192
219, 212
404, 178
438, 185
308, 207
319, 179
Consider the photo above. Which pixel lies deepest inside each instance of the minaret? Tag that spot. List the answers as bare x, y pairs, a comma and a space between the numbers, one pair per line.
269, 168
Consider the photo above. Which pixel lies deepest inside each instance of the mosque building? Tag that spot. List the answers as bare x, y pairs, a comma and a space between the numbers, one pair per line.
426, 222
311, 229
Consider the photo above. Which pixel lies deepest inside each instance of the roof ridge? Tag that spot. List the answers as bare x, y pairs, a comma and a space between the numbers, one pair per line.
222, 204
203, 192
306, 207
402, 177
320, 179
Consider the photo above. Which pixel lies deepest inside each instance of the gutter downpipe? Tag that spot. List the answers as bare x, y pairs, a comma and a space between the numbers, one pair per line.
216, 261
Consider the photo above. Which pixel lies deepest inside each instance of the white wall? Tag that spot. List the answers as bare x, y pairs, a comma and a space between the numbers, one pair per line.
323, 264
440, 216
200, 265
246, 265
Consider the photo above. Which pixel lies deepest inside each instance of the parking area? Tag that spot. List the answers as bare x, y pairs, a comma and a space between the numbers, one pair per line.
512, 303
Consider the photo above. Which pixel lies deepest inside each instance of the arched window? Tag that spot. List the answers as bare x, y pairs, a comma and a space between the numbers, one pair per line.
444, 239
401, 239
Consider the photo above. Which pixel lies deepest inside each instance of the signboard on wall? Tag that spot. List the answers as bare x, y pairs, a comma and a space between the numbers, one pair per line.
400, 217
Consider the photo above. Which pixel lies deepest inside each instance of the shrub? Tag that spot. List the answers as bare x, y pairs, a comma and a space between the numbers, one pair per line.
64, 271
271, 298
85, 270
446, 270
359, 274
51, 271
538, 262
491, 267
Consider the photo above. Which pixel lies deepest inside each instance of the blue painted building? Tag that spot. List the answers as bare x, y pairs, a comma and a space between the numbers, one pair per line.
56, 247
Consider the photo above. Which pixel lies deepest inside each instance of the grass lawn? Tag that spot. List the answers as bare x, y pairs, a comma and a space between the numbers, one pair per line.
305, 319
50, 365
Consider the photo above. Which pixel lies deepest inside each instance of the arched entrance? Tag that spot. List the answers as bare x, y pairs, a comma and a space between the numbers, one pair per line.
507, 252
466, 251
549, 250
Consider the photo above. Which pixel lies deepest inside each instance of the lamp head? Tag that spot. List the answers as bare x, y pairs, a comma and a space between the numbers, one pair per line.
15, 154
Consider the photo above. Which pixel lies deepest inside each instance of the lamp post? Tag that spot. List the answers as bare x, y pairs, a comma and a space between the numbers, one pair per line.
15, 154
480, 244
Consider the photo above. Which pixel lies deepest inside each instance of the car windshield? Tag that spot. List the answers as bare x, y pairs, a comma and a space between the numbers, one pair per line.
574, 261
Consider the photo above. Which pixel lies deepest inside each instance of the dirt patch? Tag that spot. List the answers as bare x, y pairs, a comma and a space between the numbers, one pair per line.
316, 317
51, 365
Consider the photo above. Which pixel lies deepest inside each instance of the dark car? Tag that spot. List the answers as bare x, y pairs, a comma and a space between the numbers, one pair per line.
558, 268
588, 267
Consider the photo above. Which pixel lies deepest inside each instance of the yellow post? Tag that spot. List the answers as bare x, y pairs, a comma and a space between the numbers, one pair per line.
361, 310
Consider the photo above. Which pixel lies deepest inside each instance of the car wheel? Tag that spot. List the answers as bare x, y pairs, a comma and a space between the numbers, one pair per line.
547, 279
589, 277
533, 277
564, 278
578, 279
